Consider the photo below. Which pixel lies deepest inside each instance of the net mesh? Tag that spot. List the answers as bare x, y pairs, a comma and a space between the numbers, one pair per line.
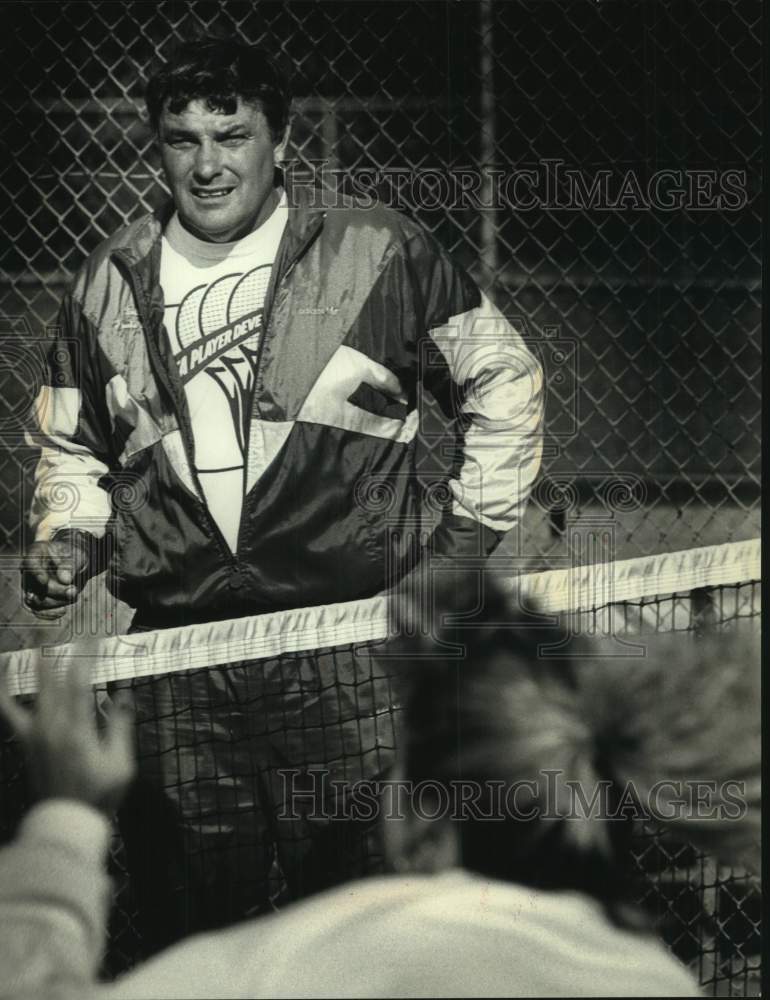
312, 686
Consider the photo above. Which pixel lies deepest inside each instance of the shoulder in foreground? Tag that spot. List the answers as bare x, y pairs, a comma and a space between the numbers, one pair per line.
457, 934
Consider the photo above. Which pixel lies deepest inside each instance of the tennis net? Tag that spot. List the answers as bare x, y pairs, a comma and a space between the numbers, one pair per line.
313, 684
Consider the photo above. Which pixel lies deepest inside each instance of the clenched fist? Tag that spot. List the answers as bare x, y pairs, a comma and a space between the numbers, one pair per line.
55, 572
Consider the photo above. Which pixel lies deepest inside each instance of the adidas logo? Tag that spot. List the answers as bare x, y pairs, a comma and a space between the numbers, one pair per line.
318, 311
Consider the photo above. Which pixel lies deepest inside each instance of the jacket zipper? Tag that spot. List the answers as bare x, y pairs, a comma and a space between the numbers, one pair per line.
160, 369
280, 281
174, 395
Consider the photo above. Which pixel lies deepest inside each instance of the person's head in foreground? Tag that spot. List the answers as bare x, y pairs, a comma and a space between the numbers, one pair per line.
220, 113
520, 894
551, 750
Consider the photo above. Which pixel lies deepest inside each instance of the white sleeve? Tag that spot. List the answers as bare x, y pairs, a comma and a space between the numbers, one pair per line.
500, 389
71, 427
54, 901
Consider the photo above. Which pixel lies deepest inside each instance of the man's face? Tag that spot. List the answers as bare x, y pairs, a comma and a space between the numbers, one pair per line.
219, 168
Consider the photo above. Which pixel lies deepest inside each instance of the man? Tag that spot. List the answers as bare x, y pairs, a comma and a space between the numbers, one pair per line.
246, 364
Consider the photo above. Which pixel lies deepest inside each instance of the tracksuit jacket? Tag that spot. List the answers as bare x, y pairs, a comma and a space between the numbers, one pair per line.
363, 313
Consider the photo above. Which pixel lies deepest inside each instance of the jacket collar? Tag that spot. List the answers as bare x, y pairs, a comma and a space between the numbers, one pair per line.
141, 251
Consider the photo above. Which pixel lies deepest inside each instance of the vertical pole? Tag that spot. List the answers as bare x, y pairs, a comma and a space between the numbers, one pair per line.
709, 935
488, 151
329, 141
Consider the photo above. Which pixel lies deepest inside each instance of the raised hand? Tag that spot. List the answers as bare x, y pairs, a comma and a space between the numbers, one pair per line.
68, 755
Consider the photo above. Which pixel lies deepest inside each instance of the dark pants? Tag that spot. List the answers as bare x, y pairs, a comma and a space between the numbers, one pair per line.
235, 809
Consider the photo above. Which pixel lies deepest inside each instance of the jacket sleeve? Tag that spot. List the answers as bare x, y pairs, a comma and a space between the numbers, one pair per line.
54, 900
71, 426
492, 389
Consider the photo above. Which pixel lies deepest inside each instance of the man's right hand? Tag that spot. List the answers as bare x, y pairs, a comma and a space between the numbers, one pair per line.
55, 572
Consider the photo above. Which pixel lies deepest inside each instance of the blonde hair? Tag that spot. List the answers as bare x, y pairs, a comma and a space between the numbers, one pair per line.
684, 728
678, 727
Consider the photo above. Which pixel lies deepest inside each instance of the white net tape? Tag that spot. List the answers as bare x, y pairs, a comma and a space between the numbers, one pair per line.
264, 636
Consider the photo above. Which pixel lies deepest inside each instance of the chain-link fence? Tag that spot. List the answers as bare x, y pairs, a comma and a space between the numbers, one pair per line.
594, 163
707, 914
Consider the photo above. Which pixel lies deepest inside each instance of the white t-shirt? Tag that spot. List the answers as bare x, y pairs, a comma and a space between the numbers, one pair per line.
214, 294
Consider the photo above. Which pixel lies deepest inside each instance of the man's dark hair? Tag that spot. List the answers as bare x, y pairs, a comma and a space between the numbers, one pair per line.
219, 71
